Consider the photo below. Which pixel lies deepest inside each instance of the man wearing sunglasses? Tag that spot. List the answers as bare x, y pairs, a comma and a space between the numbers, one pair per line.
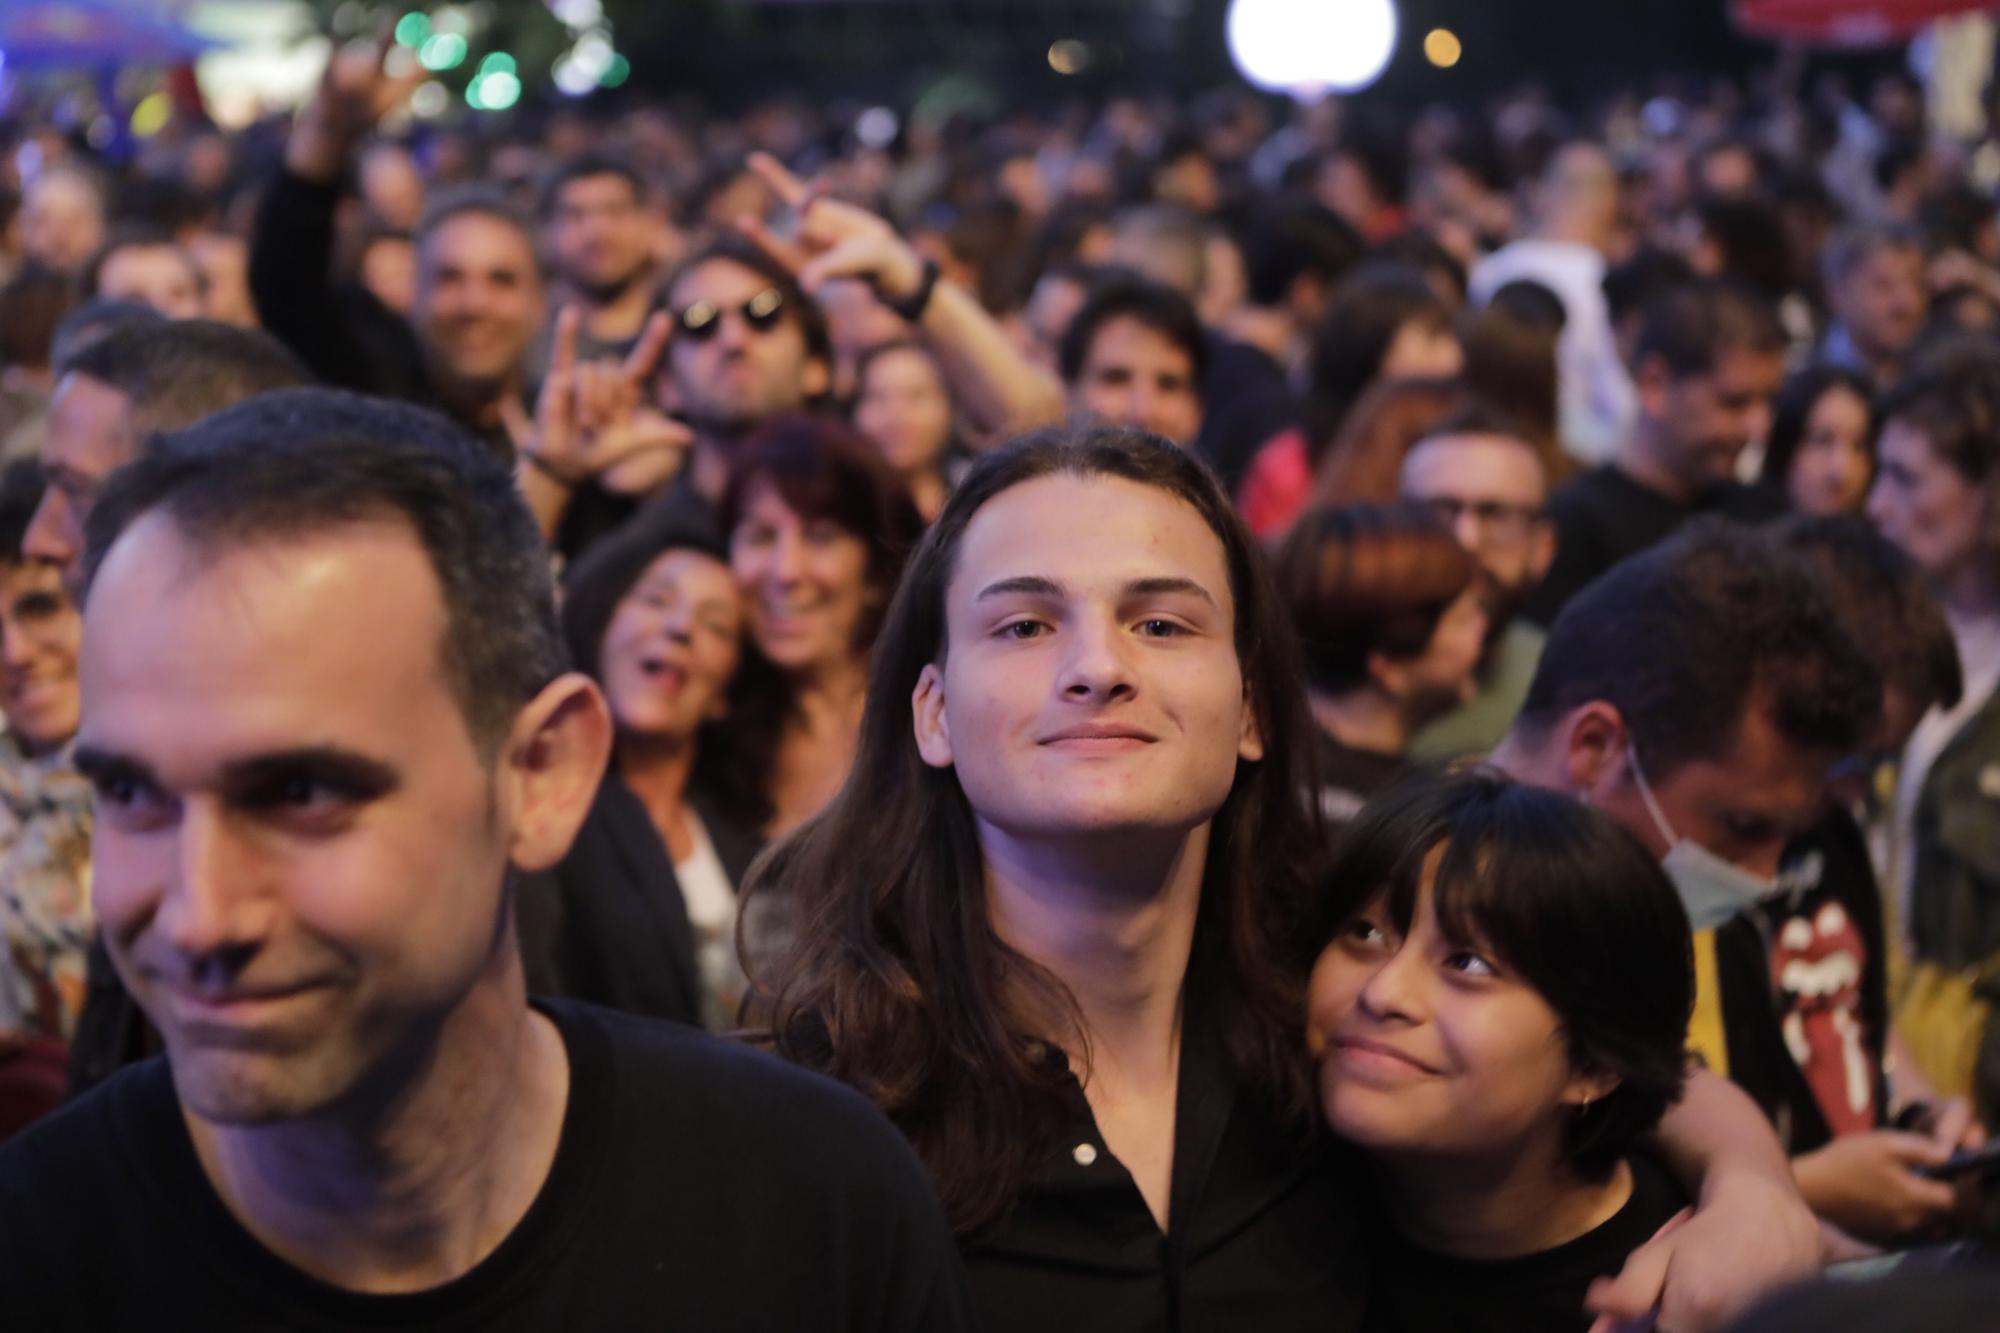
747, 345
479, 298
1487, 482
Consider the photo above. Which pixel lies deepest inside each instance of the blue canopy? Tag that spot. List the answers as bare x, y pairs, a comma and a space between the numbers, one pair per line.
90, 34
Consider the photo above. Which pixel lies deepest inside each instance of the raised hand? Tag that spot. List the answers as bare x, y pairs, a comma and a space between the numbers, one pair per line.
354, 94
833, 239
594, 420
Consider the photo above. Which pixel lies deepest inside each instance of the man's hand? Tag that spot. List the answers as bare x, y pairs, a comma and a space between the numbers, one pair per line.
1867, 1183
594, 420
833, 239
354, 94
1705, 1268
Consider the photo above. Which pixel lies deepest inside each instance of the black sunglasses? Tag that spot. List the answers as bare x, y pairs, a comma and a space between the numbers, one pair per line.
702, 320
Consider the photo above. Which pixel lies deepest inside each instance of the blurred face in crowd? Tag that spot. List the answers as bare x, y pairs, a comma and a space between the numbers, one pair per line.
62, 221
1832, 468
1090, 683
1925, 505
751, 363
479, 299
1345, 188
1134, 375
804, 581
224, 263
855, 322
90, 434
299, 850
392, 187
1729, 173
600, 235
1051, 306
1579, 193
1881, 302
1703, 422
161, 276
1427, 1047
1445, 674
1422, 349
905, 408
389, 271
1492, 491
672, 647
40, 632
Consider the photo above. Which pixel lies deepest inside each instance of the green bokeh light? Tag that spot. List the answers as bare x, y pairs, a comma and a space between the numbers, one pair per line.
445, 50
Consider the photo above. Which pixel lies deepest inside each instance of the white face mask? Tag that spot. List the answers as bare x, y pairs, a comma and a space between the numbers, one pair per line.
1712, 890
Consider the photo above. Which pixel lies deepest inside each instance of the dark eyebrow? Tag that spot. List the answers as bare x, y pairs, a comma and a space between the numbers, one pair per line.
98, 765
1030, 584
1163, 586
326, 763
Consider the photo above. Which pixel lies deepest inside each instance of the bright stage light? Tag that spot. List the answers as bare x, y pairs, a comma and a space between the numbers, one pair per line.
1308, 47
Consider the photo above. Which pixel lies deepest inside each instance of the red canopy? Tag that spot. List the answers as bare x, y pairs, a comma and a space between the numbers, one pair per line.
1848, 22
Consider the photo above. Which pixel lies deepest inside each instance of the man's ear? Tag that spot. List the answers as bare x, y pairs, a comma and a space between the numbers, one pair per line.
817, 378
550, 768
1541, 551
1386, 674
1594, 746
1655, 383
928, 720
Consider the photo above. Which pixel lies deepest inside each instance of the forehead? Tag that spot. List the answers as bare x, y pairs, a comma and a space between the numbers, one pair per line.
149, 257
602, 187
1094, 535
1457, 464
1127, 340
61, 191
476, 239
903, 364
1761, 771
328, 637
88, 421
1750, 368
25, 576
687, 568
1909, 445
722, 280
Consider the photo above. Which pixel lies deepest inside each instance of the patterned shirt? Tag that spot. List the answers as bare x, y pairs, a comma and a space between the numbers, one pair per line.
45, 918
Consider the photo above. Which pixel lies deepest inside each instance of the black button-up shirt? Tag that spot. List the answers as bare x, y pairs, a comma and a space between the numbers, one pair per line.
1262, 1233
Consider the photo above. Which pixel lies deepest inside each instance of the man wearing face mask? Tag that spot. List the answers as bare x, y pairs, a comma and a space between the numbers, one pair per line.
1703, 694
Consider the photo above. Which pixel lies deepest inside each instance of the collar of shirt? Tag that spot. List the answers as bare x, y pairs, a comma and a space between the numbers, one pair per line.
1082, 1209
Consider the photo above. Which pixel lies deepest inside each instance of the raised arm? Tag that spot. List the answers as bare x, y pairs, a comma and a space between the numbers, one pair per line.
340, 334
1001, 391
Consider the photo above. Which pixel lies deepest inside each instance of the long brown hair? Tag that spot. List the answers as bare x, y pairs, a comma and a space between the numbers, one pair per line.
1365, 464
897, 983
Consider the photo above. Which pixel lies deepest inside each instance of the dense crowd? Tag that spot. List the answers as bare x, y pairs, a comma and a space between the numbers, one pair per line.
1229, 717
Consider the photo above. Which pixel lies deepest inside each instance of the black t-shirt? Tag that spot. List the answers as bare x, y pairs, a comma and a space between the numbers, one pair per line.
1349, 778
1604, 516
1805, 991
1263, 1232
1419, 1291
696, 1185
1245, 402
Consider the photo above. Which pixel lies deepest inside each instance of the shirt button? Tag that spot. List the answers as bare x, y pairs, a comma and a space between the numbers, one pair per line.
1085, 1154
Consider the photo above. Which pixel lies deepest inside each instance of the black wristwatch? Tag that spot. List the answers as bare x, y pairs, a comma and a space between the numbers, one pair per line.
912, 310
